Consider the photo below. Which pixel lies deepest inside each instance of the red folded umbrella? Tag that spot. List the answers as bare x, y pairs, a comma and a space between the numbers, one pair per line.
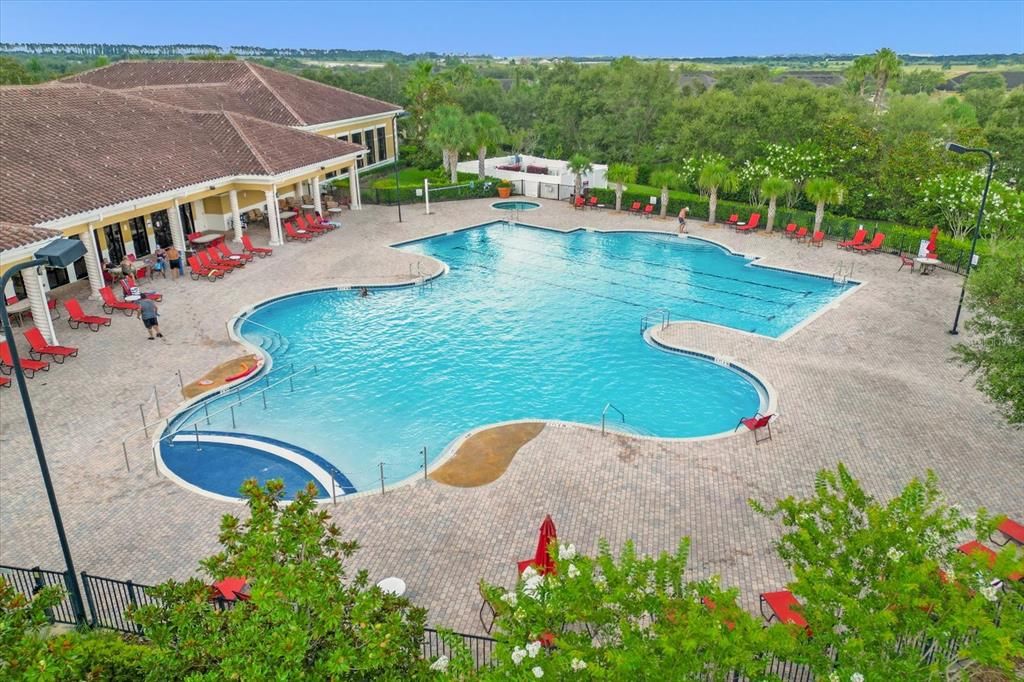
541, 560
232, 588
931, 242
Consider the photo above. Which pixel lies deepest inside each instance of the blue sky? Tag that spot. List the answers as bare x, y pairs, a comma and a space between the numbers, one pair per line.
646, 29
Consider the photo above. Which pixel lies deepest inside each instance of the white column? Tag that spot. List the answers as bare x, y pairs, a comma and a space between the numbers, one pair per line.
199, 215
36, 291
93, 264
354, 188
298, 193
317, 206
236, 217
273, 219
177, 231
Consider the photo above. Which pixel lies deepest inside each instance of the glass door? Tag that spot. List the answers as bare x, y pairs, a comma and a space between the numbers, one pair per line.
188, 224
140, 240
115, 242
161, 229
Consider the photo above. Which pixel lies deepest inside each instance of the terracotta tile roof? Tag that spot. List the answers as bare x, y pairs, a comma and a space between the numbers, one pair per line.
71, 148
13, 235
237, 86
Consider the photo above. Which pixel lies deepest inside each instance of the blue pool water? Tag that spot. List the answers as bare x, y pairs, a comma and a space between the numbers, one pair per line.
528, 323
516, 205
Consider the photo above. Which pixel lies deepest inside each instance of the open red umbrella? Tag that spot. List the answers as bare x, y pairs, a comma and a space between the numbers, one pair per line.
931, 242
541, 560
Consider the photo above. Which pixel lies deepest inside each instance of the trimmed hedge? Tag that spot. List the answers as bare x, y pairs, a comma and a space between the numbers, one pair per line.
897, 237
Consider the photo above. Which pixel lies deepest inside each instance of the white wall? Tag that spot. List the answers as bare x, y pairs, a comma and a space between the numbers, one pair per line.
558, 173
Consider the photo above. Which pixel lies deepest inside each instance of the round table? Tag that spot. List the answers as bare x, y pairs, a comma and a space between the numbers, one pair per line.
131, 298
20, 308
308, 207
927, 265
395, 586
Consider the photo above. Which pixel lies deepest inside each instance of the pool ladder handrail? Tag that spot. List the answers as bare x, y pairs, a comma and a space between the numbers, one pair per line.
664, 314
247, 320
841, 276
604, 414
207, 415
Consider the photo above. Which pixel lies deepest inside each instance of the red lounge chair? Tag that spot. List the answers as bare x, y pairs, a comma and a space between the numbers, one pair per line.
818, 239
314, 220
309, 226
710, 605
976, 548
906, 260
578, 203
261, 251
635, 208
759, 422
129, 283
40, 347
790, 229
30, 366
291, 233
733, 219
51, 305
1011, 530
228, 253
857, 240
216, 261
197, 270
593, 201
751, 223
875, 245
5, 382
781, 604
76, 317
110, 304
648, 210
800, 234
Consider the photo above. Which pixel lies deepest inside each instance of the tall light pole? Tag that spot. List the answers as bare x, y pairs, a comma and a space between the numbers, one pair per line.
958, 149
59, 253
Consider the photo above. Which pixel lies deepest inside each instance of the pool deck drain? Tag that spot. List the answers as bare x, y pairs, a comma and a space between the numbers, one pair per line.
483, 457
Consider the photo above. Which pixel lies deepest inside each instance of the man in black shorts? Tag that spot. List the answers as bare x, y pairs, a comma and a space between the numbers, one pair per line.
150, 317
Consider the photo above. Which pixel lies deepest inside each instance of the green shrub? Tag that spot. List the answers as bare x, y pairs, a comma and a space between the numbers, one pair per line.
108, 656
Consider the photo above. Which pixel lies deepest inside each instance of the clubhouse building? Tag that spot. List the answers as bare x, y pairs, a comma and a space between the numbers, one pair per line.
139, 155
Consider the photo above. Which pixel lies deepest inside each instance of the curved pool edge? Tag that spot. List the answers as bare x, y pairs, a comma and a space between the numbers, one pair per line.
764, 388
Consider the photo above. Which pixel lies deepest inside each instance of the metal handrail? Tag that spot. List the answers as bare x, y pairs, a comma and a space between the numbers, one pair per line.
664, 313
208, 415
260, 324
604, 412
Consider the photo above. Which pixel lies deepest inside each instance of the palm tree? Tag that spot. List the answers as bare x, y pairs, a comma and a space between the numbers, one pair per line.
666, 178
621, 173
450, 132
886, 66
487, 132
773, 187
714, 176
579, 165
859, 70
823, 191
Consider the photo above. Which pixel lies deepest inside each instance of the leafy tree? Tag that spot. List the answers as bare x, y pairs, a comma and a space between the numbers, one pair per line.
25, 651
666, 178
985, 102
886, 67
13, 73
983, 81
823, 191
714, 176
579, 165
773, 187
423, 92
1005, 133
631, 618
487, 133
304, 618
620, 174
450, 132
995, 349
921, 81
883, 588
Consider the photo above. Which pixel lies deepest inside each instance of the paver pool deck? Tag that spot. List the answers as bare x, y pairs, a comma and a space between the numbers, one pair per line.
868, 383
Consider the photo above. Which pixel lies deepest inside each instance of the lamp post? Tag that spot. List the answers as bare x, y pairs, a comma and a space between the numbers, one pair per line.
59, 253
959, 149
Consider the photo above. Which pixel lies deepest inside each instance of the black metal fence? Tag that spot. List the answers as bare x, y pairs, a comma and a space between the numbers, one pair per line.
29, 581
480, 648
108, 601
469, 189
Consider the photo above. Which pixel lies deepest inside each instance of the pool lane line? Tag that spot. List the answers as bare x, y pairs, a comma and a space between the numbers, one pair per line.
619, 284
712, 274
641, 274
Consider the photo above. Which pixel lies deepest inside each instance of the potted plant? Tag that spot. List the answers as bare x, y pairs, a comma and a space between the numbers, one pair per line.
504, 189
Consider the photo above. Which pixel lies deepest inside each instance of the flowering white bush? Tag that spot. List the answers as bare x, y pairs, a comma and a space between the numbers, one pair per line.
440, 665
956, 196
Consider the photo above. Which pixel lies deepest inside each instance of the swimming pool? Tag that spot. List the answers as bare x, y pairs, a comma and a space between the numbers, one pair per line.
527, 324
